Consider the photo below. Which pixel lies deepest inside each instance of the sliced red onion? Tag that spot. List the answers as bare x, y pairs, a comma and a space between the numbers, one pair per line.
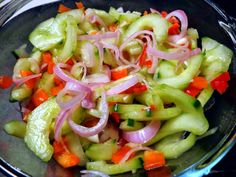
143, 135
123, 86
115, 49
155, 11
97, 78
76, 66
179, 54
87, 103
93, 17
131, 151
21, 81
195, 51
180, 14
97, 37
72, 82
107, 71
92, 173
132, 37
154, 65
59, 122
72, 102
85, 131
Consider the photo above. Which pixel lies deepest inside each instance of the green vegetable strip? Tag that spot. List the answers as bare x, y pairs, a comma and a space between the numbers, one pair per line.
121, 98
112, 169
126, 127
16, 128
182, 80
38, 129
173, 145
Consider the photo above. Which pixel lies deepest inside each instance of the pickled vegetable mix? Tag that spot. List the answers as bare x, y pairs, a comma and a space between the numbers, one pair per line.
115, 91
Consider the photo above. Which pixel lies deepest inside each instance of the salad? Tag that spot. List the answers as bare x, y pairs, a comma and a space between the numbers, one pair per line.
115, 91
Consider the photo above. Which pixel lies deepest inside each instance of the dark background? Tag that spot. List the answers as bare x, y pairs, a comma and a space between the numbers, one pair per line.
227, 166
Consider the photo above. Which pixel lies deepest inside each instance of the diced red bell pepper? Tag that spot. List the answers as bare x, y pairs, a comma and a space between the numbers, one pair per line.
199, 82
164, 14
143, 55
30, 83
193, 91
116, 117
118, 155
118, 74
220, 83
174, 29
5, 82
39, 97
153, 159
79, 5
62, 8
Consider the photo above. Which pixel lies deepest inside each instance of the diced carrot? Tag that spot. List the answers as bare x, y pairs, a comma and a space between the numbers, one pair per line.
118, 155
62, 8
39, 97
79, 5
112, 27
145, 13
55, 90
67, 159
47, 57
5, 82
153, 159
30, 83
51, 67
164, 14
174, 29
200, 82
118, 74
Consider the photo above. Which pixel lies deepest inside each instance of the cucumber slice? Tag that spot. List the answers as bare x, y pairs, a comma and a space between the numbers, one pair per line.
46, 82
102, 151
47, 35
38, 129
166, 69
74, 146
15, 128
217, 58
152, 21
20, 93
182, 80
106, 17
112, 169
174, 146
124, 17
126, 126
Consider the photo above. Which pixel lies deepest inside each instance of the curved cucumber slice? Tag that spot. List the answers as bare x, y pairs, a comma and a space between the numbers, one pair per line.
153, 21
47, 35
64, 52
182, 80
112, 169
173, 146
38, 129
102, 151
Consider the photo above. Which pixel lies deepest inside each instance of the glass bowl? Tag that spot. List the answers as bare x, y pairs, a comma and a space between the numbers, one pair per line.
207, 17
